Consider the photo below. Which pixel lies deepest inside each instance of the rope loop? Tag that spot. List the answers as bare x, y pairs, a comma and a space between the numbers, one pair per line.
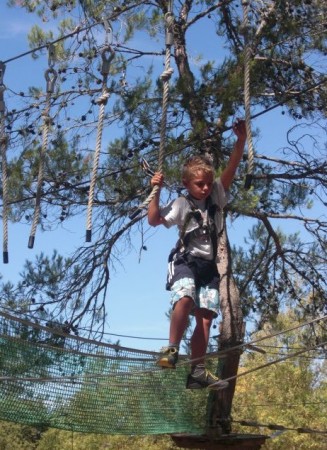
103, 98
166, 74
169, 19
47, 120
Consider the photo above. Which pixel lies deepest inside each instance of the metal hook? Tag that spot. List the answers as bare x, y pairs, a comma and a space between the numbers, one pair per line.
106, 60
50, 76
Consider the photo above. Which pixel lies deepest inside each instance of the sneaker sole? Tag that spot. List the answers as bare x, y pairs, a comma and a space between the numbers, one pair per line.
218, 386
212, 387
166, 365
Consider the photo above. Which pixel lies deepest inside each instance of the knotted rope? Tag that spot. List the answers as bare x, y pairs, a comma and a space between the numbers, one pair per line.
101, 101
50, 77
3, 143
247, 95
165, 76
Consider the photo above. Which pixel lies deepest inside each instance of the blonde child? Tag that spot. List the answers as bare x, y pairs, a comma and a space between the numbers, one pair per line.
193, 277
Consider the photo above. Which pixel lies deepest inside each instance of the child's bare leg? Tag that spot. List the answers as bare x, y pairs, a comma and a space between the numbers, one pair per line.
179, 320
178, 324
200, 337
200, 377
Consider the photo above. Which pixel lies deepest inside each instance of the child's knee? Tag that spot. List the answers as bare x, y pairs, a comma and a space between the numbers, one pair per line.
186, 303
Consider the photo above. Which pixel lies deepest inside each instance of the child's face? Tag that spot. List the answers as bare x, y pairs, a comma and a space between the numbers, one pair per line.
200, 185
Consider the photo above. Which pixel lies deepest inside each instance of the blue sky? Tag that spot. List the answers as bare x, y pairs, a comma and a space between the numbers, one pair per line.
137, 301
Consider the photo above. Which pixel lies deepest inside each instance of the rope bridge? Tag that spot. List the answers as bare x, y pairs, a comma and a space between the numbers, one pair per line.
48, 378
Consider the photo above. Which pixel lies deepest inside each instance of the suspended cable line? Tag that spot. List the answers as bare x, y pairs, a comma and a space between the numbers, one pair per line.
185, 361
276, 361
274, 405
76, 31
250, 423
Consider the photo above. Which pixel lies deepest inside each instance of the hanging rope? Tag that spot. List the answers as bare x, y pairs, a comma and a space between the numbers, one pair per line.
247, 97
107, 55
50, 77
3, 143
165, 76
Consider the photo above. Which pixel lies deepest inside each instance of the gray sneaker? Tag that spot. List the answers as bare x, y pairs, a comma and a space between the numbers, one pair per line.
168, 357
205, 380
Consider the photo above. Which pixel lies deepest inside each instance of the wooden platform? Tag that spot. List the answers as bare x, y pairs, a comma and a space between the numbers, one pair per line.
224, 442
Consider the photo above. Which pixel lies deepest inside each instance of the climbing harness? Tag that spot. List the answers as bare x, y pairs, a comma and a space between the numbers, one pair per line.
107, 56
50, 77
208, 229
3, 143
247, 97
202, 269
165, 76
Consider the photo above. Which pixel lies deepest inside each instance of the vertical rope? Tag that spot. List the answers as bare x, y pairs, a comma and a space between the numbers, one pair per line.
165, 76
247, 95
3, 143
50, 76
102, 101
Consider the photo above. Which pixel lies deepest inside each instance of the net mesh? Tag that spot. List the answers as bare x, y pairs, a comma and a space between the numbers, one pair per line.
59, 381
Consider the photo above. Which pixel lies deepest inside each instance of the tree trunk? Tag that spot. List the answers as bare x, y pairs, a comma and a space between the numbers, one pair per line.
230, 334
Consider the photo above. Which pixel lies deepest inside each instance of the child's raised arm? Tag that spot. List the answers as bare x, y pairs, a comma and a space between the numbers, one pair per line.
154, 217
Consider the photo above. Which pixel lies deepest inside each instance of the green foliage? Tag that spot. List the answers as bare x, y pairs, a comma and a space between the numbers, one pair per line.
39, 37
291, 393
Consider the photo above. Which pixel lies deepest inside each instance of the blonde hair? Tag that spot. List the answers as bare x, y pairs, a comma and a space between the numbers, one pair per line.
197, 164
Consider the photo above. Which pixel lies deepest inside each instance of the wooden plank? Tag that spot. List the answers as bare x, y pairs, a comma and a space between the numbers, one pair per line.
224, 442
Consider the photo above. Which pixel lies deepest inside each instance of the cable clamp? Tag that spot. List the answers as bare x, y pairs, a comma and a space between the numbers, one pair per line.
2, 71
51, 55
107, 27
169, 19
2, 87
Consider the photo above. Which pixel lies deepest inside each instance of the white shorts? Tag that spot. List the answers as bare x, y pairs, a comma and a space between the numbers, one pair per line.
203, 297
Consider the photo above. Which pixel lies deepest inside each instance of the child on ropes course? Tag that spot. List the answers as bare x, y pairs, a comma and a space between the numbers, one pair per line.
193, 277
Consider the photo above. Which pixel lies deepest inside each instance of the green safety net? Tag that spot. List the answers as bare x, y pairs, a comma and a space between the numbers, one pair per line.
51, 379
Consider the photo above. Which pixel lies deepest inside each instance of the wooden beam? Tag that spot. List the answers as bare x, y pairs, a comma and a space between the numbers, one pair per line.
224, 442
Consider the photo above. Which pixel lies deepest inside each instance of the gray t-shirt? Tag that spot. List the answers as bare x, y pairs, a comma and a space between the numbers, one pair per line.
176, 211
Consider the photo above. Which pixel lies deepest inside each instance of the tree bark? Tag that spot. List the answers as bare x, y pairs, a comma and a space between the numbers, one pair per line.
230, 334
